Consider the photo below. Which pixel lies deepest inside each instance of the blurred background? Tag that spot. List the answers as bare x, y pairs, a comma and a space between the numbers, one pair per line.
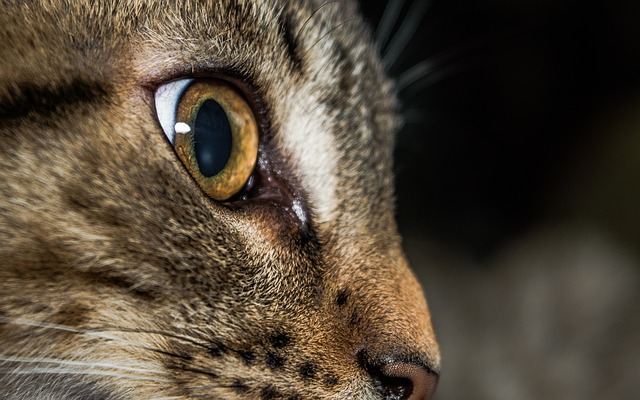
518, 175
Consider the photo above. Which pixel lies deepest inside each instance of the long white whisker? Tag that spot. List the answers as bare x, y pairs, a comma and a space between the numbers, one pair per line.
47, 325
44, 360
387, 22
431, 79
415, 73
188, 339
84, 371
404, 34
428, 67
116, 339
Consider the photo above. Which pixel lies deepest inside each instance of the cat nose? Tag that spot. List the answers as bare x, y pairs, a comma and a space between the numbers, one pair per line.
402, 380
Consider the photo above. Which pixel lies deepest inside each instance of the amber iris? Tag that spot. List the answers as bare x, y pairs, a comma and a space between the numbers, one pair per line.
220, 145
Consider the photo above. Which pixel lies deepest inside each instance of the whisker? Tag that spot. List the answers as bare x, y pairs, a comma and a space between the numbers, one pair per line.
155, 332
301, 30
432, 78
65, 328
415, 73
387, 22
428, 68
91, 333
406, 31
117, 340
84, 371
329, 32
44, 360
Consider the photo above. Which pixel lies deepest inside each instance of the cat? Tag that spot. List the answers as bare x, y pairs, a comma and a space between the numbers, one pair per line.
196, 201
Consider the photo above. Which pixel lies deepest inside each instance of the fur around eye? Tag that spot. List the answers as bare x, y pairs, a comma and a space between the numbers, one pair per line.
213, 131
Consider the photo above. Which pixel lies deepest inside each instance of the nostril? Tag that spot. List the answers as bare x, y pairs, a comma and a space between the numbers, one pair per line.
393, 388
407, 381
399, 380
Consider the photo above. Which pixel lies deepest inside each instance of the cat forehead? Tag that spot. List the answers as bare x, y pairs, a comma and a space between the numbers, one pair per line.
104, 25
313, 63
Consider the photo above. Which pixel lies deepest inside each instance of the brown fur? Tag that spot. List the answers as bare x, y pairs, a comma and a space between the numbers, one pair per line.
120, 278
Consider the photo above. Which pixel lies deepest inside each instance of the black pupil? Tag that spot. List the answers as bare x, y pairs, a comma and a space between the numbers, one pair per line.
212, 138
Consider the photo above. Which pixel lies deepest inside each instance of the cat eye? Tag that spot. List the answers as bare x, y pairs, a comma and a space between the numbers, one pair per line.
212, 130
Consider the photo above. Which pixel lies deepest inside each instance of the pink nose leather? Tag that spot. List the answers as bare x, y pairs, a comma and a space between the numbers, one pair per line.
423, 382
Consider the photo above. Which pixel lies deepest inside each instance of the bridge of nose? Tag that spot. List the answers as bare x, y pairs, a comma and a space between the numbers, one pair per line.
378, 300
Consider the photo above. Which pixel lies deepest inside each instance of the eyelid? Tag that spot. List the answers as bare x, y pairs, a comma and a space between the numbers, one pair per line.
167, 97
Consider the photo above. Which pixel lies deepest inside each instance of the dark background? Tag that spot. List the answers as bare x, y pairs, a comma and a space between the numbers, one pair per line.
515, 105
518, 186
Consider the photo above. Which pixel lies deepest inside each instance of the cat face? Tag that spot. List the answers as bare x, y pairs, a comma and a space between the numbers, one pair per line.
122, 277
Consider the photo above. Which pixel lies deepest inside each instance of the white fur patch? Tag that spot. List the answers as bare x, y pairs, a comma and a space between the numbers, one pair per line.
309, 143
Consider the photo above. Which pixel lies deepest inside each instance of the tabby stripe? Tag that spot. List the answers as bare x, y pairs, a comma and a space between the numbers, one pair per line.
285, 29
27, 99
